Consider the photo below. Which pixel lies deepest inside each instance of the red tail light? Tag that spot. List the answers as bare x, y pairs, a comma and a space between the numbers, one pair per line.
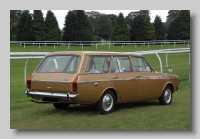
28, 81
74, 84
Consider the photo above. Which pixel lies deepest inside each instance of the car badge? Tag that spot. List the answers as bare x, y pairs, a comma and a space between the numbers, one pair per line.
65, 79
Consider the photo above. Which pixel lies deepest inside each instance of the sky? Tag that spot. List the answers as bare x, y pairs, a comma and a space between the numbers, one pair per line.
60, 14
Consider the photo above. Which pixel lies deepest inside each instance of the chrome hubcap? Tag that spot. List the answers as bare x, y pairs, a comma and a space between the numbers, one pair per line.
107, 102
167, 96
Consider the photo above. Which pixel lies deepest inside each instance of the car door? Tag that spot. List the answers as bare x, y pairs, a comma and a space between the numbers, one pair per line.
96, 78
148, 80
124, 77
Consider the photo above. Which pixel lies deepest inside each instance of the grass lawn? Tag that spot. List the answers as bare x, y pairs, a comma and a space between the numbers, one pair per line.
25, 114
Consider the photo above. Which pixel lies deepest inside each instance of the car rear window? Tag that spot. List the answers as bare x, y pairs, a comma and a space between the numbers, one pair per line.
64, 63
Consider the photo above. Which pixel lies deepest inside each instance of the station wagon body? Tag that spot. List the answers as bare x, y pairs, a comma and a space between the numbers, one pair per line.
102, 79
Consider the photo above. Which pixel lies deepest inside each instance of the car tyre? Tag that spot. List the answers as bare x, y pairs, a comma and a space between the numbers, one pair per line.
166, 97
61, 105
106, 103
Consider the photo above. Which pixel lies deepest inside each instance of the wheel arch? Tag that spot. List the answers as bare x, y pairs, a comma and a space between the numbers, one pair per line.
170, 85
111, 89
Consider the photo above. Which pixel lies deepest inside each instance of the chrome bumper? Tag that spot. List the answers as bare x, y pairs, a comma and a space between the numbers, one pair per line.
50, 94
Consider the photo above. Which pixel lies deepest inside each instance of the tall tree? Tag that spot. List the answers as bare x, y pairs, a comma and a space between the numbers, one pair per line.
52, 30
174, 29
38, 25
104, 26
129, 18
159, 28
14, 20
25, 30
184, 24
113, 18
84, 28
150, 30
144, 13
70, 27
93, 17
172, 14
120, 31
138, 29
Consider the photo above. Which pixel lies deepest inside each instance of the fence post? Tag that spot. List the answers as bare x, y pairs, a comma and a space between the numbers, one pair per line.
54, 45
68, 46
96, 46
174, 43
148, 45
188, 44
39, 45
20, 43
109, 45
122, 46
24, 45
82, 46
167, 60
45, 43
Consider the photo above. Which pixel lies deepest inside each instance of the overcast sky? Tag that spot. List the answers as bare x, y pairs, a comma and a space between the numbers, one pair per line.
60, 14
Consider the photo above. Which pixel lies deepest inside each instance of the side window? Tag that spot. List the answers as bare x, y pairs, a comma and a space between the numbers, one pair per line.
121, 64
141, 65
98, 64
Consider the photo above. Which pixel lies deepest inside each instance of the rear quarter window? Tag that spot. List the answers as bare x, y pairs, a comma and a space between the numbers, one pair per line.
67, 63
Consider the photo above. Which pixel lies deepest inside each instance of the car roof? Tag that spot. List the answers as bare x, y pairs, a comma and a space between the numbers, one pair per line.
93, 53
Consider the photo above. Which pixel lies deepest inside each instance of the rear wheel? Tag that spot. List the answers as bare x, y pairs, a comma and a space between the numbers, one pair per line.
61, 105
106, 103
166, 97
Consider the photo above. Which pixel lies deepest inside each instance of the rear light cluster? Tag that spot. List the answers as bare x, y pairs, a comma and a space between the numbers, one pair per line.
74, 84
28, 81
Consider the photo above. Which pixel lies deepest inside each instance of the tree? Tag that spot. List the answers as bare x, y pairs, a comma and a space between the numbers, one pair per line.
138, 29
52, 30
159, 28
184, 24
93, 17
38, 25
113, 18
172, 14
104, 26
14, 20
84, 28
70, 27
120, 31
174, 29
25, 30
129, 18
150, 30
144, 13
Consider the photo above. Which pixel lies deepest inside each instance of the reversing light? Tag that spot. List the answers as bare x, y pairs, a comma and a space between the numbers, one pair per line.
74, 84
28, 81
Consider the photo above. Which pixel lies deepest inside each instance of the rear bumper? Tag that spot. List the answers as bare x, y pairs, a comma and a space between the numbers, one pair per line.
50, 94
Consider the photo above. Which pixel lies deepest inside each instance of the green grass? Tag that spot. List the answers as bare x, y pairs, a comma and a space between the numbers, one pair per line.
149, 115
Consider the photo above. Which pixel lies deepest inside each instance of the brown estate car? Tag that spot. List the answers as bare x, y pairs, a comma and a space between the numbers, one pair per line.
100, 78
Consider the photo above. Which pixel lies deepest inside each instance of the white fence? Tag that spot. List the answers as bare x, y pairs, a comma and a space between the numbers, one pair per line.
99, 43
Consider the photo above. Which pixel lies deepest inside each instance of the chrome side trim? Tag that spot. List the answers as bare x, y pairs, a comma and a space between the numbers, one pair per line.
50, 94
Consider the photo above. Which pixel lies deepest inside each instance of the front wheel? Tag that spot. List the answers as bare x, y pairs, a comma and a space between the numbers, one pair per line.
61, 105
106, 103
166, 97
